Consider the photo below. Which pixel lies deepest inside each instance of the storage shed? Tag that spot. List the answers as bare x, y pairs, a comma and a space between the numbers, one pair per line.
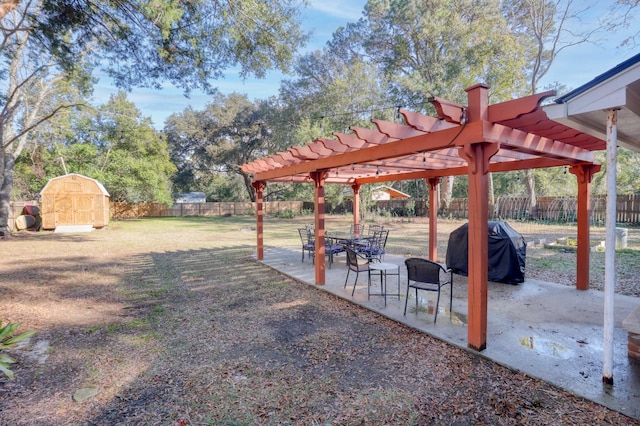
73, 200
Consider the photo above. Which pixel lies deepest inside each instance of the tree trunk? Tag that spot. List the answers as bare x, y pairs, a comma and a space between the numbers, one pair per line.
531, 191
6, 167
250, 189
447, 192
492, 197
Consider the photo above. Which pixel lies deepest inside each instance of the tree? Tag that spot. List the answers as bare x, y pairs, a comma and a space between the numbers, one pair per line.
34, 89
133, 160
49, 48
543, 30
628, 170
188, 43
113, 144
439, 48
210, 144
624, 15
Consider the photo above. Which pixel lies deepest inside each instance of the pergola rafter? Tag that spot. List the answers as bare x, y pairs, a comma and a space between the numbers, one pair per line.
471, 140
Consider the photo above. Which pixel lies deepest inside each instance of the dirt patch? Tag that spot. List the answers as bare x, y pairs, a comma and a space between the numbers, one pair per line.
174, 323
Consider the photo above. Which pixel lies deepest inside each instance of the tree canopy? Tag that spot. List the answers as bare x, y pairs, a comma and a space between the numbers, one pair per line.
113, 144
188, 43
49, 49
399, 54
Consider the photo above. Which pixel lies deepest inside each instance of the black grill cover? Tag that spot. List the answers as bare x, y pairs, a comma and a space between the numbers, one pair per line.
507, 253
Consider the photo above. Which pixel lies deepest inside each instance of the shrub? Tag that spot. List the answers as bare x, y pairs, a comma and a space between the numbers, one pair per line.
8, 342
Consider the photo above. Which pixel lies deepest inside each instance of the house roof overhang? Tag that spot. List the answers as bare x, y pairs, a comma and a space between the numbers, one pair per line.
617, 89
425, 146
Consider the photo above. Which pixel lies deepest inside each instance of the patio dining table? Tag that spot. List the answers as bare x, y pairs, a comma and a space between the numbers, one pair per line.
348, 238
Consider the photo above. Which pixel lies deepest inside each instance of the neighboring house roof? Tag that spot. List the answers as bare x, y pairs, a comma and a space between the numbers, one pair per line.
192, 197
393, 193
618, 88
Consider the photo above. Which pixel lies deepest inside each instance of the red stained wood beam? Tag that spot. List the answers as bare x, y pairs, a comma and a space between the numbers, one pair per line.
449, 111
532, 144
447, 138
517, 107
395, 130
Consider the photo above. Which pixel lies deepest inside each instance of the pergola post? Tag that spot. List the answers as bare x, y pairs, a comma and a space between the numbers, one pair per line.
356, 203
318, 199
584, 174
259, 187
433, 217
477, 156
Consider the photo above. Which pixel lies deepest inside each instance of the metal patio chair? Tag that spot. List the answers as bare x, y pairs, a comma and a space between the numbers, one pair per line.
357, 264
425, 274
375, 249
308, 244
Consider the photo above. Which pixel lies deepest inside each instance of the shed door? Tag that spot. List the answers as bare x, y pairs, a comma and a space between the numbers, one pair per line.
84, 209
74, 210
64, 210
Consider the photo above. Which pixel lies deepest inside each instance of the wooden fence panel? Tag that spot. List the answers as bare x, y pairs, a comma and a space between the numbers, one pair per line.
137, 210
553, 209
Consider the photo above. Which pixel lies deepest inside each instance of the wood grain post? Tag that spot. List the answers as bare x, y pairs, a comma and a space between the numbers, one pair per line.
318, 198
584, 174
478, 155
259, 187
433, 218
356, 203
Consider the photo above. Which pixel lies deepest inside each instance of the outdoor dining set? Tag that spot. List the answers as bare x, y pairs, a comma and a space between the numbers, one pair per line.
365, 249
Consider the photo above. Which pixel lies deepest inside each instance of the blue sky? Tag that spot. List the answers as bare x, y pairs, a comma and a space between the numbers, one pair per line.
573, 66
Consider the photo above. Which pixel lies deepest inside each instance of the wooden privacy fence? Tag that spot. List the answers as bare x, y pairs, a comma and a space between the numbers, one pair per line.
137, 210
552, 209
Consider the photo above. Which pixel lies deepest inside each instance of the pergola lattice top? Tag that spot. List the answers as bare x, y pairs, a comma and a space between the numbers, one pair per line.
430, 146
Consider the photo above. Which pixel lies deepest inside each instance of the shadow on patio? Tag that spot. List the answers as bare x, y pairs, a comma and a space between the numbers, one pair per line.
546, 330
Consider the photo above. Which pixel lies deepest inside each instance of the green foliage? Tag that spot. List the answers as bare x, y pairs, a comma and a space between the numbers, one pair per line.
8, 341
209, 146
627, 172
285, 214
50, 48
113, 144
186, 43
442, 48
329, 94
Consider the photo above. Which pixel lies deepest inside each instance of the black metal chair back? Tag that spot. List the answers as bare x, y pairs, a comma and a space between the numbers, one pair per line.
357, 228
308, 244
357, 264
374, 228
375, 249
425, 274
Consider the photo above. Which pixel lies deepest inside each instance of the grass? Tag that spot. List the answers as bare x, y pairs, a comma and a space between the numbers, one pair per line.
172, 320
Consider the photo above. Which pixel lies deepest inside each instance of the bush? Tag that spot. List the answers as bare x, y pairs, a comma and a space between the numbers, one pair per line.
8, 342
285, 214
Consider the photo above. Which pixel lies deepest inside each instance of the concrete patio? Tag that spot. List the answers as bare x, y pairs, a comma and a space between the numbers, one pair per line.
546, 330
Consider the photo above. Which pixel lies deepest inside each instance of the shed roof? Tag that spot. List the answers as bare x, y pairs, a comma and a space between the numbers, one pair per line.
71, 175
394, 193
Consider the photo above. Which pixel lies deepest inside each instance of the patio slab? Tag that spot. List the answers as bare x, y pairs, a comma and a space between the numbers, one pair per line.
549, 331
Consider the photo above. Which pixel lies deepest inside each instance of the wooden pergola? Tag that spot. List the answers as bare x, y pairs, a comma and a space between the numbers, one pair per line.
472, 140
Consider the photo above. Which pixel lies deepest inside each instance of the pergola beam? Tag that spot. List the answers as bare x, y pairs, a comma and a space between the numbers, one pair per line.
533, 144
423, 143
